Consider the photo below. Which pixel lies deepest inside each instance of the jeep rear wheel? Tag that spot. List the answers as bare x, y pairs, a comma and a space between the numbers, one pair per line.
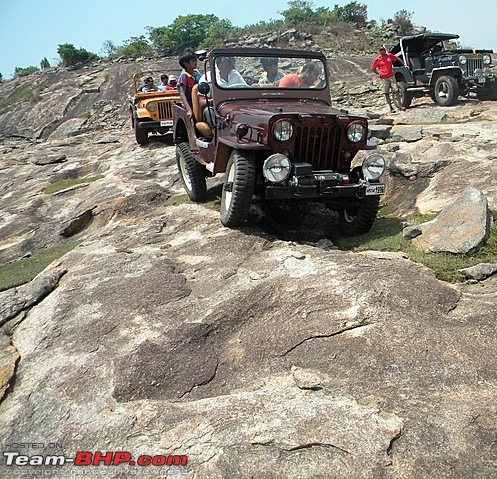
446, 91
192, 173
238, 188
140, 135
404, 96
359, 220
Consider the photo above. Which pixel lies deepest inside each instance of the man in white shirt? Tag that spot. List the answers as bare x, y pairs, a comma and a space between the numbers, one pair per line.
226, 76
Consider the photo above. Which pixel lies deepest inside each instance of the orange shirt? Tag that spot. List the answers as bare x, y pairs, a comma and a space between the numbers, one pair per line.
291, 80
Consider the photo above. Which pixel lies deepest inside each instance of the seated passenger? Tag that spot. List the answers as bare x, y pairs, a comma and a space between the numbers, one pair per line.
149, 85
226, 75
164, 80
173, 83
271, 75
308, 75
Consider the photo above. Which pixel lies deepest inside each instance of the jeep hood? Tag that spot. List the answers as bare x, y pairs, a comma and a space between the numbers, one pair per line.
259, 112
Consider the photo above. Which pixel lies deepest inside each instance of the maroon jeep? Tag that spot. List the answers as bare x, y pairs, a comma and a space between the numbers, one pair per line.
272, 131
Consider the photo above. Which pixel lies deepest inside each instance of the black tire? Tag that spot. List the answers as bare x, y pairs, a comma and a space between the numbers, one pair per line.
432, 95
446, 91
487, 93
360, 219
238, 189
140, 135
404, 96
192, 173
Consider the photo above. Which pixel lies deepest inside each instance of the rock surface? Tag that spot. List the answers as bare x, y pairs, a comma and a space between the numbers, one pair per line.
252, 354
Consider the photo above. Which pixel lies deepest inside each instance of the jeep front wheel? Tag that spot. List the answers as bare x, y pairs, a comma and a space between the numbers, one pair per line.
446, 90
238, 188
140, 135
359, 220
192, 173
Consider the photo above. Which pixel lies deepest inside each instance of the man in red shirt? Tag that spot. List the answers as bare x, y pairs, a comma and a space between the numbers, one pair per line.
383, 66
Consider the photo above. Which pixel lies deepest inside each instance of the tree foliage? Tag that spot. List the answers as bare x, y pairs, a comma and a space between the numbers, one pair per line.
135, 47
70, 55
1, 78
189, 31
44, 63
23, 72
302, 12
109, 49
402, 20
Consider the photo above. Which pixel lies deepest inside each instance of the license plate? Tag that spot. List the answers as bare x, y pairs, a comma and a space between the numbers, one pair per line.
166, 123
375, 190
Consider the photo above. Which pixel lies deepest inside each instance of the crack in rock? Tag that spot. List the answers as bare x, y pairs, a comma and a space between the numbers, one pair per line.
321, 336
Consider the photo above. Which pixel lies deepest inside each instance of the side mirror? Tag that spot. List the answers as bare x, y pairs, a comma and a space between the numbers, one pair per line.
204, 88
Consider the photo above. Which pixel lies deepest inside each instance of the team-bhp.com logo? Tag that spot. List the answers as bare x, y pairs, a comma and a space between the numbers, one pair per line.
85, 458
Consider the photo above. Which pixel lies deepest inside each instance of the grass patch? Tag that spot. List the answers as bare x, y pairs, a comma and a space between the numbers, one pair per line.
386, 235
24, 270
21, 96
212, 202
63, 184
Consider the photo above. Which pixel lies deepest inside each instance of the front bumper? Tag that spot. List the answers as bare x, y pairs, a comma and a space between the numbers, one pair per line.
154, 125
326, 187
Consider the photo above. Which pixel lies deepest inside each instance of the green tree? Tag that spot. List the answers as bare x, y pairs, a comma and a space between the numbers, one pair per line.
299, 12
22, 72
1, 78
402, 20
71, 56
44, 63
188, 31
135, 47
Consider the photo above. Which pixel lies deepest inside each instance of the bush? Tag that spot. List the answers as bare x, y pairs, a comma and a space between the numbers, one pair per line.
135, 47
44, 63
402, 20
23, 72
71, 56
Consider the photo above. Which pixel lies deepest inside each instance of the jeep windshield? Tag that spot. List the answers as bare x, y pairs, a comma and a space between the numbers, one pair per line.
260, 70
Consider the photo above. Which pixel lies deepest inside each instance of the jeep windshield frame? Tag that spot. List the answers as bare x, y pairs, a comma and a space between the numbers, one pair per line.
248, 62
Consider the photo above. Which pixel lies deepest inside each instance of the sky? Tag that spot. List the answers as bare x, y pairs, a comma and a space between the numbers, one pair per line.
31, 30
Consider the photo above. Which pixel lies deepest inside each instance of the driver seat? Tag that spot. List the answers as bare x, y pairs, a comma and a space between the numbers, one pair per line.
201, 126
414, 61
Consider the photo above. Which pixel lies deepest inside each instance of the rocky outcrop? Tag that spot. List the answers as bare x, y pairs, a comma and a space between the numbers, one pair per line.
463, 225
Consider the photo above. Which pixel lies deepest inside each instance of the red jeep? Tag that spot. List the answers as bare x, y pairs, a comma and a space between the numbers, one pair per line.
276, 141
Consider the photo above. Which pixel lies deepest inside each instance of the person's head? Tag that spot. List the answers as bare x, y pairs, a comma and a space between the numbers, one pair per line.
225, 63
311, 71
172, 80
164, 79
149, 82
383, 51
270, 65
188, 61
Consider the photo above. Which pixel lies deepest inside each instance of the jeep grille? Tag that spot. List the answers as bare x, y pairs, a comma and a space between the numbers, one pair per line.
319, 146
165, 109
473, 62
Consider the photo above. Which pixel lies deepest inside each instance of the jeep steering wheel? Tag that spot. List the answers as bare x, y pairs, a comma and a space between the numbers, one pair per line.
427, 52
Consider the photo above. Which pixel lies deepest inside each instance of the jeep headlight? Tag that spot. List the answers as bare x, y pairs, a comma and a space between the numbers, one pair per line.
487, 59
276, 168
373, 166
356, 132
283, 130
462, 60
151, 107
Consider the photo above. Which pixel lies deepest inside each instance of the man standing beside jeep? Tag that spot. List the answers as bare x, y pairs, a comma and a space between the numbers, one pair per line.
383, 66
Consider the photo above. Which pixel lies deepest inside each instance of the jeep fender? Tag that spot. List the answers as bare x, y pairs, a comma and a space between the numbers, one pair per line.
448, 71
